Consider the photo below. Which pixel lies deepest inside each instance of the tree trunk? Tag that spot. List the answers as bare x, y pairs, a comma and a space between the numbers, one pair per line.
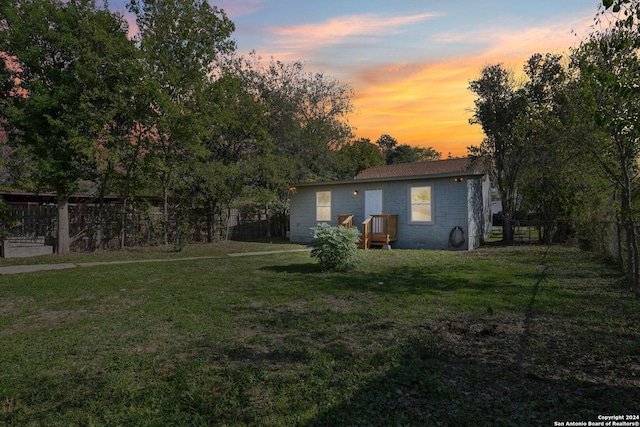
267, 220
507, 230
631, 237
63, 224
209, 225
123, 224
98, 242
619, 229
100, 213
508, 211
227, 233
165, 213
636, 260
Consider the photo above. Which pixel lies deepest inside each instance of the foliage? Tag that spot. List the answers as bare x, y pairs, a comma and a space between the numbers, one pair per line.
183, 233
625, 14
500, 101
426, 154
335, 247
410, 337
387, 144
395, 153
179, 43
358, 155
609, 68
172, 113
276, 124
305, 114
16, 168
70, 63
559, 180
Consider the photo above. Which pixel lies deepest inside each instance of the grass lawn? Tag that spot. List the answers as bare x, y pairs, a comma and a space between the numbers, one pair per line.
498, 336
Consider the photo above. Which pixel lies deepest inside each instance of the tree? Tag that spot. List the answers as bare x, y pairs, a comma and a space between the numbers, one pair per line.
180, 41
549, 179
426, 154
307, 116
394, 153
71, 64
610, 69
624, 14
280, 125
500, 101
560, 181
358, 155
387, 144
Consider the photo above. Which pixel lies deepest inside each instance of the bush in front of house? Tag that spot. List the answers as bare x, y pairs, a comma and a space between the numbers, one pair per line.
335, 247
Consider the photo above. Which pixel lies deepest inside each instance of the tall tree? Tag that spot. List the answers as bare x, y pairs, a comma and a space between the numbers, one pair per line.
307, 116
610, 70
386, 143
393, 152
180, 41
236, 142
549, 178
358, 155
500, 101
71, 73
426, 154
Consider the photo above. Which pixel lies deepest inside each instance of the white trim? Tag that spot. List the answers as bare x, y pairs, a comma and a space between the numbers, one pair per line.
410, 204
323, 217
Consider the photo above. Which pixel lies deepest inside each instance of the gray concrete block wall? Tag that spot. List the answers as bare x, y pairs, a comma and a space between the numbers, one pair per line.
303, 208
303, 212
450, 210
449, 198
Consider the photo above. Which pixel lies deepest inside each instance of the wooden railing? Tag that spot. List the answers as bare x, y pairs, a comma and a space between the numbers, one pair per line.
376, 230
366, 233
345, 220
379, 230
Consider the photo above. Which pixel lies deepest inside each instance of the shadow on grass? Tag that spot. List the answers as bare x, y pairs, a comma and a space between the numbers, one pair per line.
406, 280
434, 386
301, 268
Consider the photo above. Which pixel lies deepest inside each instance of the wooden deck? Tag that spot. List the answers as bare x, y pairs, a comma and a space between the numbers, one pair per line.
377, 230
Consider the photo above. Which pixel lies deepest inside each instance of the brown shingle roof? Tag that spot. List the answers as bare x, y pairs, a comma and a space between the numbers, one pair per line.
461, 166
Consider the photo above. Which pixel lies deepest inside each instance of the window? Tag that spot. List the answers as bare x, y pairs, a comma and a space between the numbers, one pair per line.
420, 209
323, 206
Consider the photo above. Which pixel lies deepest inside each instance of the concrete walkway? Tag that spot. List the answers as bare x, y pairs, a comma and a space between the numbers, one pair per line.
17, 269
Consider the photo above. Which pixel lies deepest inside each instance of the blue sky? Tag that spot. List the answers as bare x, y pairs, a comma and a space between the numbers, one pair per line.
409, 61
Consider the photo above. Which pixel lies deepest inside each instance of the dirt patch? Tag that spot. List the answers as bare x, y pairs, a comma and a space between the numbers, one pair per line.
48, 319
14, 306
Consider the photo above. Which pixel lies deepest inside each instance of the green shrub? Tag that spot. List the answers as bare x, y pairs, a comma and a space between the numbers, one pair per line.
335, 247
183, 232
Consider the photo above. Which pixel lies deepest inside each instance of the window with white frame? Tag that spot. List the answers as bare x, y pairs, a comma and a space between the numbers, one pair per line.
323, 206
420, 204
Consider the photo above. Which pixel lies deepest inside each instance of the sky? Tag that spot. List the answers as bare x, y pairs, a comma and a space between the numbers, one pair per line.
409, 62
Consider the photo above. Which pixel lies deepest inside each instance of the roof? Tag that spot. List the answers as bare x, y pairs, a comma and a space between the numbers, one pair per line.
464, 166
460, 166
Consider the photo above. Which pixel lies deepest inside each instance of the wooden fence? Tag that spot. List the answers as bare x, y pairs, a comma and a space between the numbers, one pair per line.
93, 227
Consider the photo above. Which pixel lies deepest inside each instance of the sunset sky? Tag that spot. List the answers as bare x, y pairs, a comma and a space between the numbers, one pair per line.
408, 61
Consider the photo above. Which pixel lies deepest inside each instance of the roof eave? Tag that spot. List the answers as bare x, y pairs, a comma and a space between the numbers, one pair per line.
463, 174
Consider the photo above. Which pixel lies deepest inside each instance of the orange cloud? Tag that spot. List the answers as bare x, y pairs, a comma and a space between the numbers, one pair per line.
424, 105
337, 30
419, 95
429, 104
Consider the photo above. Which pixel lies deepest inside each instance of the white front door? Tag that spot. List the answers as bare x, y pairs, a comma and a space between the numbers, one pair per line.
373, 205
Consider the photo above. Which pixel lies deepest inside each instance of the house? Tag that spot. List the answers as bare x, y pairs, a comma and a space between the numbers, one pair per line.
442, 204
